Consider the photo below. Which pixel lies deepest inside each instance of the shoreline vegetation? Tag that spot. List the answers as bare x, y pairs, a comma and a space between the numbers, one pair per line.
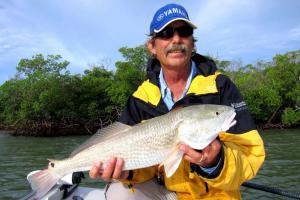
45, 99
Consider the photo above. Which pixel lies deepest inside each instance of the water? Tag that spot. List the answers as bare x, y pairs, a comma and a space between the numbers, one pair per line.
282, 166
21, 155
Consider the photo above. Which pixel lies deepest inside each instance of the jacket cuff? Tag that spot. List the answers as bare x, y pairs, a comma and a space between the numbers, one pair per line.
197, 169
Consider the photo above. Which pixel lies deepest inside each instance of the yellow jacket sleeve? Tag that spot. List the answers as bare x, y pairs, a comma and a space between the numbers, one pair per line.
243, 156
142, 175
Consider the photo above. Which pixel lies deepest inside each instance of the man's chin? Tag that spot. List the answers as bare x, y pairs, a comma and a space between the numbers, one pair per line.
177, 62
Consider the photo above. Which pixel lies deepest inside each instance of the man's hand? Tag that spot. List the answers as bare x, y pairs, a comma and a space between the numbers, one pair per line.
111, 170
206, 158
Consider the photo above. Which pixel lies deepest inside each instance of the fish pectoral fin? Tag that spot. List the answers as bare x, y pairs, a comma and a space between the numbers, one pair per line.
172, 162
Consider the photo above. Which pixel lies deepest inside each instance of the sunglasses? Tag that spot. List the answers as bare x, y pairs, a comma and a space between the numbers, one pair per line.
168, 32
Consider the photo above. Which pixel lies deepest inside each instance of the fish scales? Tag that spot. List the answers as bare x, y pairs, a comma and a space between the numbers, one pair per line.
144, 145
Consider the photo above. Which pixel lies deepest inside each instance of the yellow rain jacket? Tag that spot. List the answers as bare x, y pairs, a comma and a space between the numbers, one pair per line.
242, 152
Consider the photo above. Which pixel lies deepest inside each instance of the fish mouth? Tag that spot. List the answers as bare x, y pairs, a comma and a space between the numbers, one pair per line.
229, 122
232, 120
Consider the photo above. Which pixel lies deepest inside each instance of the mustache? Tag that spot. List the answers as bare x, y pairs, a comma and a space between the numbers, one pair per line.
175, 47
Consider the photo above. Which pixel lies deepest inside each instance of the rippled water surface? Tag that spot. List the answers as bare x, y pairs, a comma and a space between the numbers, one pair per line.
21, 155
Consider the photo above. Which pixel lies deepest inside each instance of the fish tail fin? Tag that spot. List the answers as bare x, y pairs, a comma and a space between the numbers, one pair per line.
41, 182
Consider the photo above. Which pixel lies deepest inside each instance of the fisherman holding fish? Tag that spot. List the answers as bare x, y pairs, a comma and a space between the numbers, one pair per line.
176, 77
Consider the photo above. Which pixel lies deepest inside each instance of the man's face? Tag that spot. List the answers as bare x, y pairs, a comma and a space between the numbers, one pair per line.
174, 52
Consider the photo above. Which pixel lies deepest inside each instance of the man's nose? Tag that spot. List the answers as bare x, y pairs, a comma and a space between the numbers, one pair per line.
176, 37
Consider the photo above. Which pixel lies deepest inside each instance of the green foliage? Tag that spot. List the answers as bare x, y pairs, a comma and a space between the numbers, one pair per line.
38, 98
269, 88
261, 99
10, 98
44, 95
222, 65
93, 95
290, 117
284, 77
129, 74
39, 64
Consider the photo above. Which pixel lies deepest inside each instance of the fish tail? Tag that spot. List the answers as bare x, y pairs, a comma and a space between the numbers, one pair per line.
41, 182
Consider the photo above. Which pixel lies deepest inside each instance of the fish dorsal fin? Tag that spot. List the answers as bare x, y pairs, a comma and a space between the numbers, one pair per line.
101, 135
172, 162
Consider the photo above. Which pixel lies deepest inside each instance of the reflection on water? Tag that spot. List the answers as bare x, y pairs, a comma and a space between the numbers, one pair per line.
21, 155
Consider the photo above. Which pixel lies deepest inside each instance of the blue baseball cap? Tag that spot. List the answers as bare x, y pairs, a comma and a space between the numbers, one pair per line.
167, 14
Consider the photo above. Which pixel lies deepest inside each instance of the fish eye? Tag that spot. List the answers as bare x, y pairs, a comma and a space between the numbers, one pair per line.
52, 164
217, 113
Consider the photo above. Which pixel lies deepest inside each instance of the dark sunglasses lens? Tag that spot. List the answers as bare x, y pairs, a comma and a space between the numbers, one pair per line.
168, 32
185, 31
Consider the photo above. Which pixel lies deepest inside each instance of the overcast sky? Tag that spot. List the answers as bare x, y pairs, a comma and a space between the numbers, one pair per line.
91, 31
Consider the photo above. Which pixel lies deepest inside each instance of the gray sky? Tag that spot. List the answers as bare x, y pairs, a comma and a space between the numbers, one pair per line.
91, 31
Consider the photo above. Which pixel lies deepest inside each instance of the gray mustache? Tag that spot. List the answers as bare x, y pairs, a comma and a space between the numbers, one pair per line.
175, 47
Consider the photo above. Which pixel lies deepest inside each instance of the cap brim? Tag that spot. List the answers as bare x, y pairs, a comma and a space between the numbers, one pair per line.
177, 19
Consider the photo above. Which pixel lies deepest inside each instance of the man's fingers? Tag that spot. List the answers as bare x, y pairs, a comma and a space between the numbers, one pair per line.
199, 160
94, 172
194, 156
109, 169
188, 158
118, 169
191, 154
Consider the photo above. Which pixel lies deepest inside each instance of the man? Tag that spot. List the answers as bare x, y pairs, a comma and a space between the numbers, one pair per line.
177, 76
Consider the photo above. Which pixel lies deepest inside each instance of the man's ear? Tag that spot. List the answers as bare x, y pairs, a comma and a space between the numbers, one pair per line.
150, 46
